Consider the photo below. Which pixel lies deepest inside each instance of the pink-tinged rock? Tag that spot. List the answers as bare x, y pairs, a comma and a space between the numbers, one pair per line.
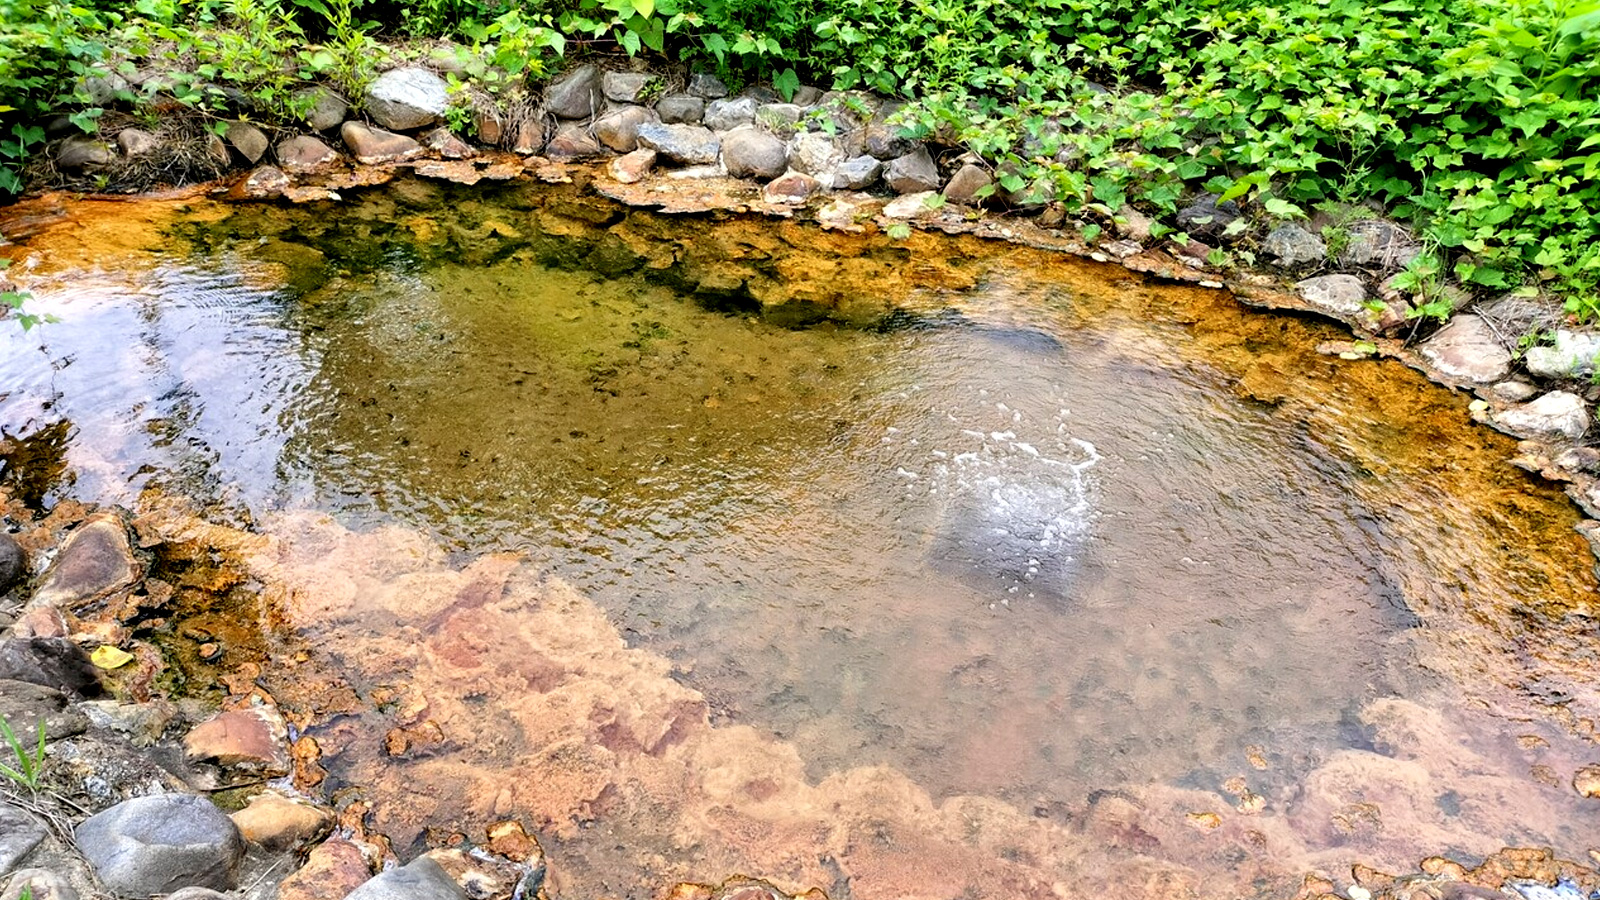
791, 187
263, 183
96, 561
447, 145
244, 737
633, 167
372, 145
334, 869
277, 822
572, 141
305, 153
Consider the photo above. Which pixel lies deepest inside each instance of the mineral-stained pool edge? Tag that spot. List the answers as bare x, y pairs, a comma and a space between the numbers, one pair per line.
1481, 555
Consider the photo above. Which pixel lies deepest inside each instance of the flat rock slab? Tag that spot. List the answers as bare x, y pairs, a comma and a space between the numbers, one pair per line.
24, 705
95, 562
255, 738
156, 845
49, 661
420, 879
20, 832
689, 145
1468, 348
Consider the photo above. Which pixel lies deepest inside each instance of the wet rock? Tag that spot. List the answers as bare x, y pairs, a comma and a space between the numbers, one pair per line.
815, 154
136, 142
964, 185
1556, 414
625, 87
277, 822
1343, 296
619, 128
689, 145
1586, 781
913, 173
680, 109
372, 145
576, 95
572, 141
81, 152
247, 140
305, 153
50, 662
632, 168
910, 206
447, 145
333, 869
25, 704
13, 562
142, 723
20, 832
403, 99
480, 877
707, 86
94, 562
1291, 246
1206, 218
254, 738
510, 840
886, 141
325, 109
262, 183
1573, 354
420, 879
726, 115
751, 152
1376, 243
155, 845
791, 187
1466, 347
40, 884
857, 173
1514, 391
779, 118
40, 621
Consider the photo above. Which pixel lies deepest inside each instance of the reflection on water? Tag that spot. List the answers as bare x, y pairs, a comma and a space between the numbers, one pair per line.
1023, 555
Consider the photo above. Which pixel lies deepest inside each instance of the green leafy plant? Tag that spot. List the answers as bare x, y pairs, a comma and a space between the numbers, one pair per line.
29, 766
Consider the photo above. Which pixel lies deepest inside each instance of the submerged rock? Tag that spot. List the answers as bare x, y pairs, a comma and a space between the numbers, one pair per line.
156, 845
1468, 348
403, 99
420, 879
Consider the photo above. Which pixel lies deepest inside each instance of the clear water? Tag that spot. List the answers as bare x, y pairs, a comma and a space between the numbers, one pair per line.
1028, 543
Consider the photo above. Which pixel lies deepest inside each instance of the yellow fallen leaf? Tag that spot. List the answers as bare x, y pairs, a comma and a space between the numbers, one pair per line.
109, 657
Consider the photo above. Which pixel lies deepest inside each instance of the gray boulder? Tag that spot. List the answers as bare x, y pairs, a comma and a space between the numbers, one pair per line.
577, 95
964, 185
806, 95
136, 142
1377, 243
1575, 353
625, 87
680, 109
1291, 246
156, 845
82, 152
883, 140
420, 879
726, 115
750, 152
13, 562
913, 173
619, 128
247, 140
1206, 218
857, 173
707, 86
20, 832
1556, 414
403, 99
1342, 296
1466, 347
325, 109
689, 145
815, 153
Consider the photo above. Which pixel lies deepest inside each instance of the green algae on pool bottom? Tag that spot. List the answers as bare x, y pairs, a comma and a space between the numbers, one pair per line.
1077, 535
